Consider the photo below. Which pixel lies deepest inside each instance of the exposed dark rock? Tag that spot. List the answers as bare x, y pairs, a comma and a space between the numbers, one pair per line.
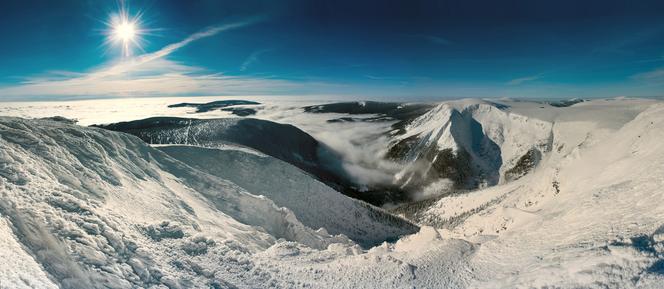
565, 103
402, 148
556, 186
205, 107
524, 165
448, 165
240, 111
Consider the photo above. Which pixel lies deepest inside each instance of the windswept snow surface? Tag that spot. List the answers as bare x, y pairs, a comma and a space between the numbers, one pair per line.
19, 269
91, 208
85, 207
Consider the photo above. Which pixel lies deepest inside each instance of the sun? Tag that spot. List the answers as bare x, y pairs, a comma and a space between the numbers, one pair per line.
124, 30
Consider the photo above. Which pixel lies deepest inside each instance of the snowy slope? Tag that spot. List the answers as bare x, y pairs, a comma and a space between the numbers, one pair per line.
589, 216
89, 208
473, 143
18, 269
92, 208
290, 187
282, 141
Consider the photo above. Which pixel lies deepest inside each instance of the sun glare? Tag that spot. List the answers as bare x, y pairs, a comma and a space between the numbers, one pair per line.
124, 31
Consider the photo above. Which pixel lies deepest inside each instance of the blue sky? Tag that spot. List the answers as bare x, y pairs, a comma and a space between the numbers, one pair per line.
403, 50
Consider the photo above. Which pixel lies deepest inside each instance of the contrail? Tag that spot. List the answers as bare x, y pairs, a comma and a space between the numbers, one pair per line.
168, 49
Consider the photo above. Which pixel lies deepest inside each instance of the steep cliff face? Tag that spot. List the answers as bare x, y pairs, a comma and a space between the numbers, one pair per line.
472, 144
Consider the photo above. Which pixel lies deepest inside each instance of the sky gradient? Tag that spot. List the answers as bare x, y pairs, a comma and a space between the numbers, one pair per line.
403, 50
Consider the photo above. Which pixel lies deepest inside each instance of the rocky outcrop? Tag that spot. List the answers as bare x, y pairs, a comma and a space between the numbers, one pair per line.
524, 165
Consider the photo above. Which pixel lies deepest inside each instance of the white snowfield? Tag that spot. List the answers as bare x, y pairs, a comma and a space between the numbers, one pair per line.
88, 208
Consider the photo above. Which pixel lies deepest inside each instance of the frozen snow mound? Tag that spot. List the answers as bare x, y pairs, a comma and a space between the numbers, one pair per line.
313, 203
93, 208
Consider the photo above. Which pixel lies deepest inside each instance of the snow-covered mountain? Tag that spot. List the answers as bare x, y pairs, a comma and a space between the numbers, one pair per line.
555, 195
430, 149
281, 141
289, 187
590, 213
91, 208
467, 144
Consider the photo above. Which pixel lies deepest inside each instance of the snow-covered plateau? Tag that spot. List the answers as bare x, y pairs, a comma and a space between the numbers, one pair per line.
494, 193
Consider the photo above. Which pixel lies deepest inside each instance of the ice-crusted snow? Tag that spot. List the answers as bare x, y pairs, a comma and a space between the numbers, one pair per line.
18, 269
